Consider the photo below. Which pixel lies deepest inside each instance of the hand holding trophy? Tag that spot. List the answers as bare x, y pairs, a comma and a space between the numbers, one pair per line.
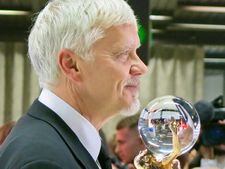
169, 126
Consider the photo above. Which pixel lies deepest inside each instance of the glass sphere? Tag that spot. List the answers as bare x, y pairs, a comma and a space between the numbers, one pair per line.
155, 125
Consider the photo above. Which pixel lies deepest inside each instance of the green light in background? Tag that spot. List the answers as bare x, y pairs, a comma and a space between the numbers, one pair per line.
141, 33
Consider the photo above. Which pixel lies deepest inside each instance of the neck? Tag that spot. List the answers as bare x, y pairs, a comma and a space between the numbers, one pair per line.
86, 108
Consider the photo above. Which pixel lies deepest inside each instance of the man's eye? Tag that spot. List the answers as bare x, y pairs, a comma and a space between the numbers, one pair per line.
123, 57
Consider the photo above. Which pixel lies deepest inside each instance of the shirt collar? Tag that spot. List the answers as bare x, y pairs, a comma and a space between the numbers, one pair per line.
85, 131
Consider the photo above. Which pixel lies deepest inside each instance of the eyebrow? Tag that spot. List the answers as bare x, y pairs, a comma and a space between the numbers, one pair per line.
124, 47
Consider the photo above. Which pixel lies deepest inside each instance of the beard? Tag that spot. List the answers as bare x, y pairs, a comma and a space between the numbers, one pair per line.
131, 110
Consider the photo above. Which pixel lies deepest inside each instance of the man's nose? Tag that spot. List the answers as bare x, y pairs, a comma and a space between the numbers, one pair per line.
138, 67
116, 149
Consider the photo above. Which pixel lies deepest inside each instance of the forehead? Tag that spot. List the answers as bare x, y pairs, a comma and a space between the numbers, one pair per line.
122, 133
126, 132
116, 37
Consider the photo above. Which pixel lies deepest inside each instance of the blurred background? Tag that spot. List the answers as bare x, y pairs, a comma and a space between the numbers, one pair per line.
183, 44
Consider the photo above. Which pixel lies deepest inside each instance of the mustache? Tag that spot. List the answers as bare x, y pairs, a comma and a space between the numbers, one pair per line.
132, 81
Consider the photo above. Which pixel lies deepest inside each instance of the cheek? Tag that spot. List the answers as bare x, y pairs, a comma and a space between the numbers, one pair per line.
116, 82
113, 80
129, 145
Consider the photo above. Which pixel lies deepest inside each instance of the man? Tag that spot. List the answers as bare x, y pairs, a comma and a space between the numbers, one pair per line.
84, 53
128, 141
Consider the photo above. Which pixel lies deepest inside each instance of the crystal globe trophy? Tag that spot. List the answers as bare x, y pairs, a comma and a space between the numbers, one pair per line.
169, 126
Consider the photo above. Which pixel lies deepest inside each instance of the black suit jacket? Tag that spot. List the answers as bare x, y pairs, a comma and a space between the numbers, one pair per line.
42, 140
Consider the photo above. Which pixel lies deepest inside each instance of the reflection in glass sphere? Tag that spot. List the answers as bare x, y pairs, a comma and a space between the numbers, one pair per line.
155, 130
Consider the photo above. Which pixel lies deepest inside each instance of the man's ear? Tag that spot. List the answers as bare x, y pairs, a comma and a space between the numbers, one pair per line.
68, 63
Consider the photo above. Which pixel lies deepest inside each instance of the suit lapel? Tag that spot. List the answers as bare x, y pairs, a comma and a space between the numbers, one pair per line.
41, 112
104, 158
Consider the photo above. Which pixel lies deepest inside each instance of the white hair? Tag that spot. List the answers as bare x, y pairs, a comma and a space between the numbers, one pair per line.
132, 110
71, 24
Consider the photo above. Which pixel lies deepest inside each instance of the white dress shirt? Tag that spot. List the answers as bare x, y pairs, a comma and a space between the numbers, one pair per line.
85, 131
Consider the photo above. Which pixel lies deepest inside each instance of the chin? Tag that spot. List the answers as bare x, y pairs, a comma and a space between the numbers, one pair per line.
132, 109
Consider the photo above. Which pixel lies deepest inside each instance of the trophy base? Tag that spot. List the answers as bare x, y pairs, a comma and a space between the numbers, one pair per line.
146, 161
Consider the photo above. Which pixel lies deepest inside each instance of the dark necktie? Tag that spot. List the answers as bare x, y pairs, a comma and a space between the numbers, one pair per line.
104, 158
